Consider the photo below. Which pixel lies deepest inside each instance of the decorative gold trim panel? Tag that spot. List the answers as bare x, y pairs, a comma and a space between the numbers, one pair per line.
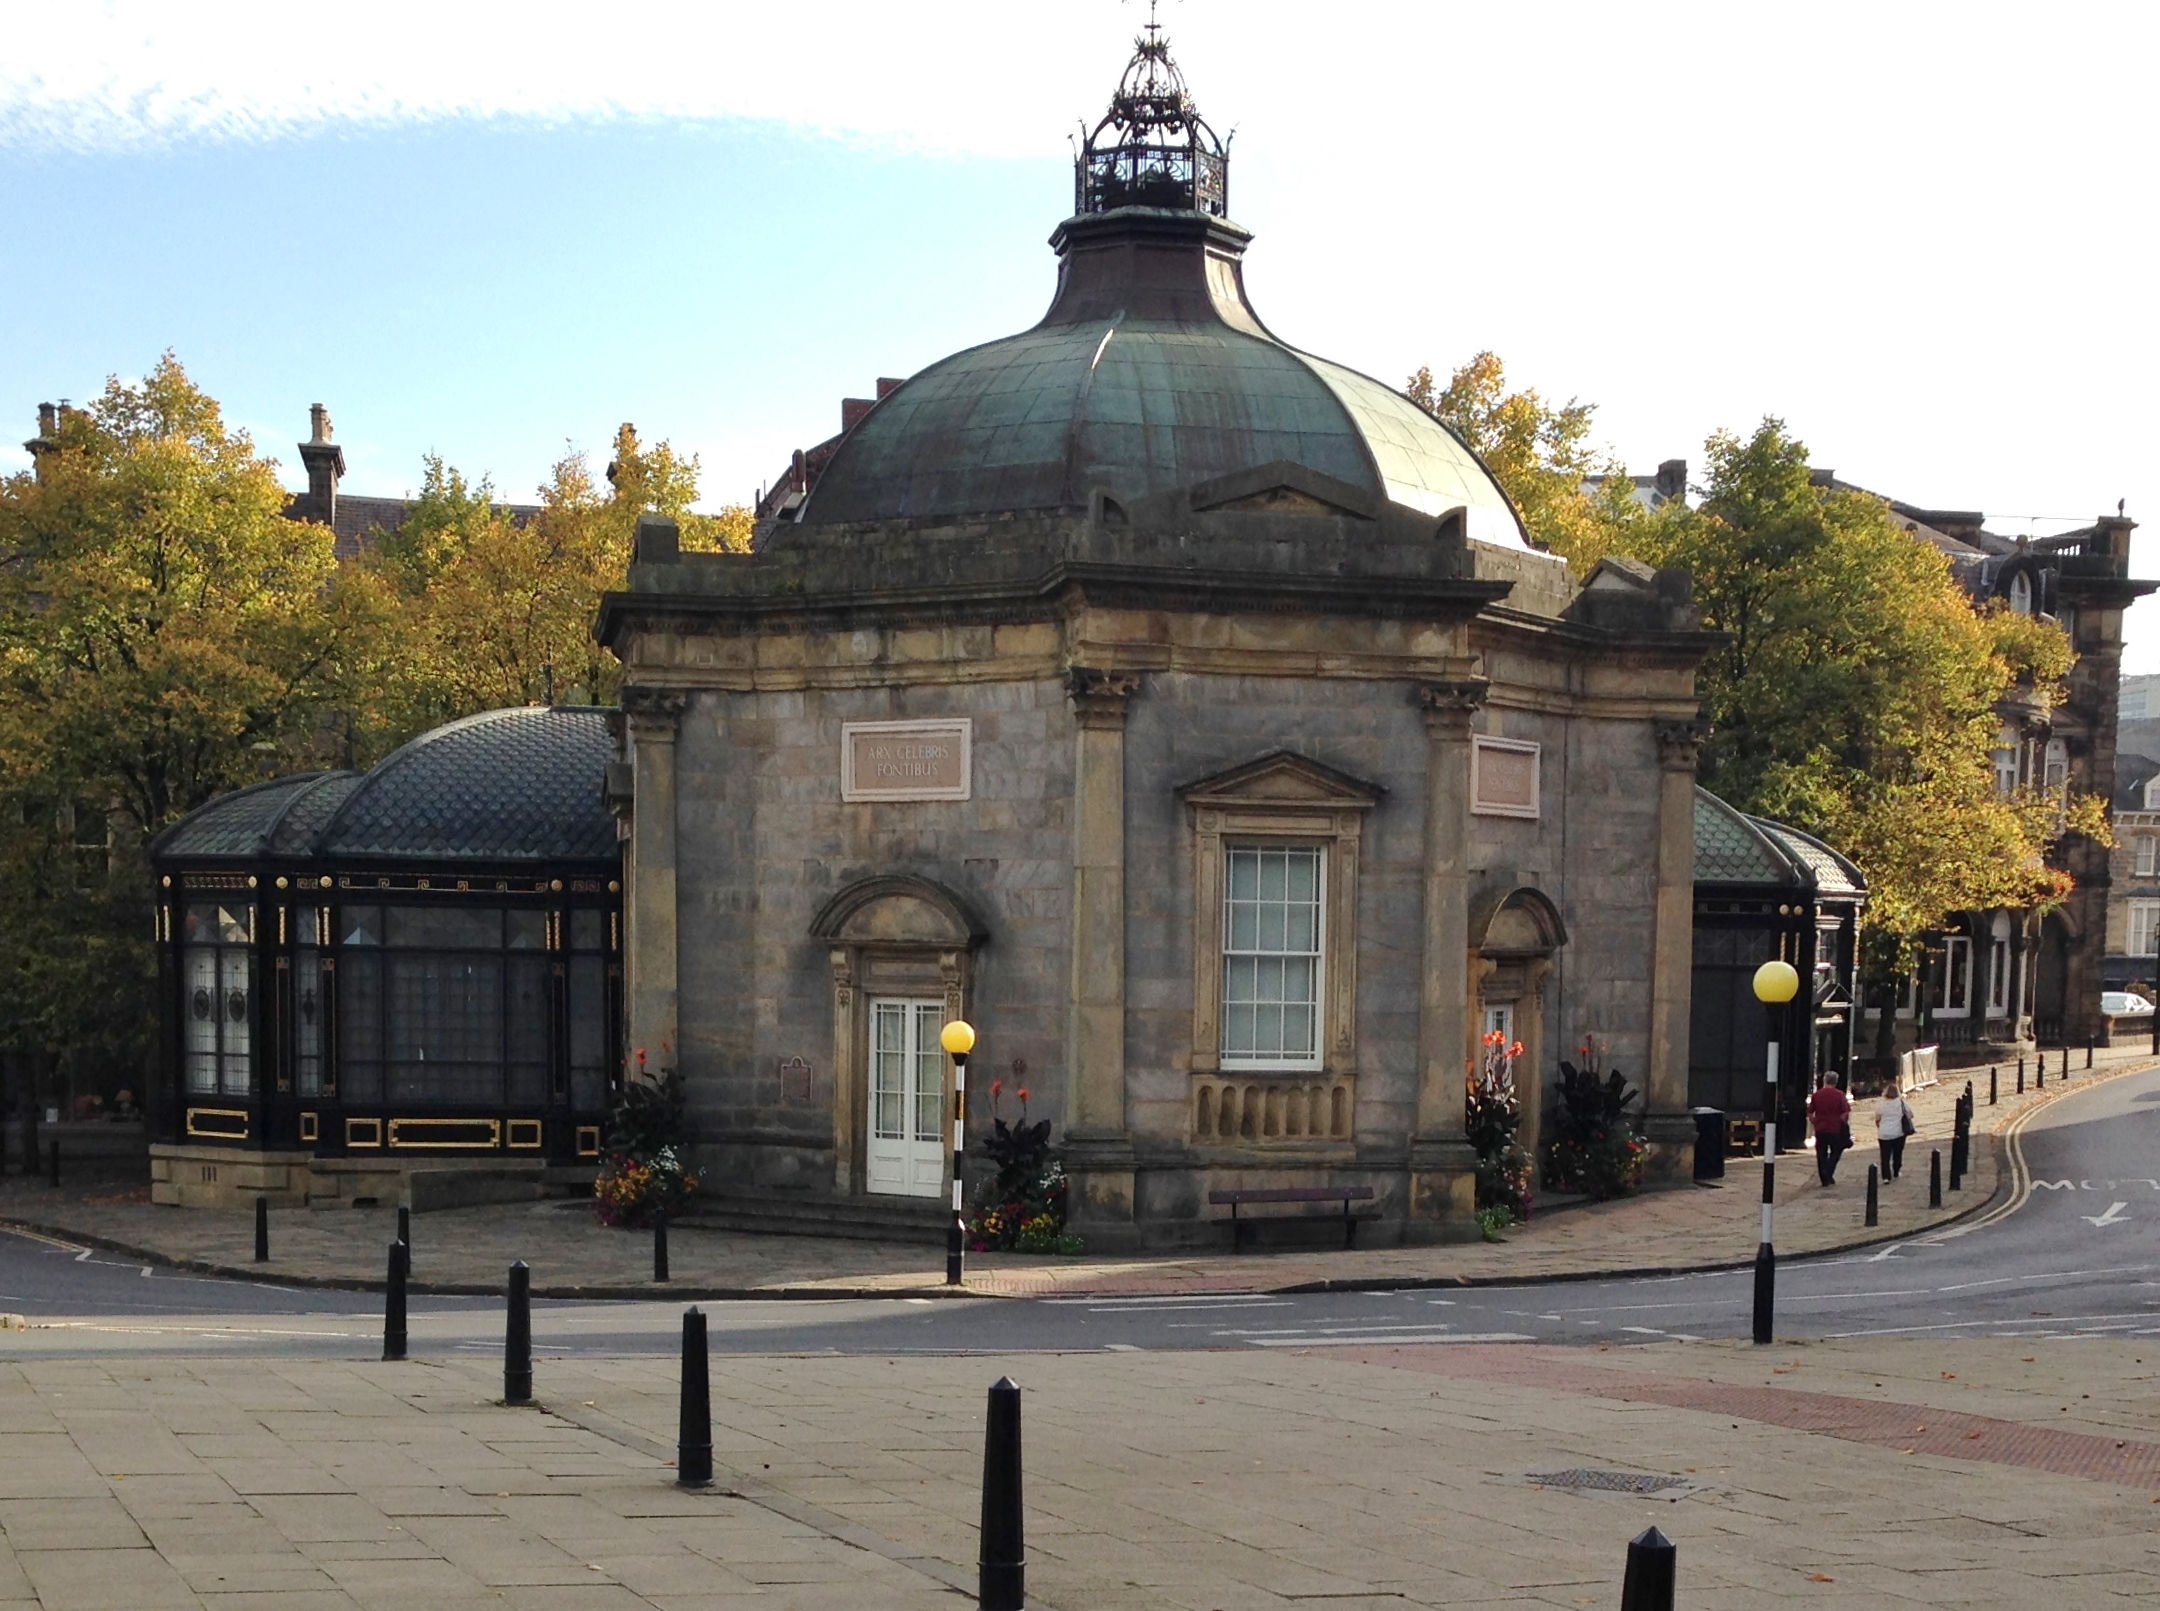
310, 1127
224, 1124
363, 1132
465, 1134
526, 1135
588, 1141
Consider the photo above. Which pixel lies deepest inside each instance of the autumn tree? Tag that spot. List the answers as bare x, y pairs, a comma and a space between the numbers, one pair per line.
499, 608
166, 634
1858, 691
1541, 455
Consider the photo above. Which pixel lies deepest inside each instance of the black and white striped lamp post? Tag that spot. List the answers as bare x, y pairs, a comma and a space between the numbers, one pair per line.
958, 1039
1776, 983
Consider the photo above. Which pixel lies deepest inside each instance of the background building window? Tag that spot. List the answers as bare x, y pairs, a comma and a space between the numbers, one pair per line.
2144, 916
2006, 763
2021, 593
217, 999
2056, 768
1953, 998
2148, 855
1271, 956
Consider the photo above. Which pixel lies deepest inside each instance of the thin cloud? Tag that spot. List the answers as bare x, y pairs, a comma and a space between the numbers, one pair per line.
966, 76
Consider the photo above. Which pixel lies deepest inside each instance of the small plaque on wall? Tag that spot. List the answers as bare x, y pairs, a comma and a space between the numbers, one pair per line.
906, 760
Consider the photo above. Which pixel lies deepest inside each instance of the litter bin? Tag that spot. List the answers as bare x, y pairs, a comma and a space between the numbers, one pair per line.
1711, 1141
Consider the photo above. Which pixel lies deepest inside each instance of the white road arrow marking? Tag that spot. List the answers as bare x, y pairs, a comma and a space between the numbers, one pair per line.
2113, 1216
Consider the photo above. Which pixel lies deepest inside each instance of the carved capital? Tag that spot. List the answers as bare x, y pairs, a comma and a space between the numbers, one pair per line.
1099, 696
1450, 706
1679, 743
654, 712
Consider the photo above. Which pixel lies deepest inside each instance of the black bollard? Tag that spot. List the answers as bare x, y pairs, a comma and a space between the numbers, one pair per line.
1001, 1569
1873, 1185
693, 1435
1991, 1087
2066, 1062
1652, 1562
2039, 1072
517, 1338
1935, 1178
262, 1230
659, 1244
2021, 1077
1957, 1163
2089, 1039
54, 1155
393, 1325
404, 1231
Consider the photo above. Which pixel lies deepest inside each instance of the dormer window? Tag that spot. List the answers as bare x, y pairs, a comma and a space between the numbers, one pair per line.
2021, 593
2055, 768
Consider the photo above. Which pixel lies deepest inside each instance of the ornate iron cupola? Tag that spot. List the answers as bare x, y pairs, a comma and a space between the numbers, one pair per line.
1152, 149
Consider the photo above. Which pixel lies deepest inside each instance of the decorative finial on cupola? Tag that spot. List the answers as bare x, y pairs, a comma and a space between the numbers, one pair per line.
1152, 148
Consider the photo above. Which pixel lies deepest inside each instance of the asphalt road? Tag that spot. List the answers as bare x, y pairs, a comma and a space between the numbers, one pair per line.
2074, 1250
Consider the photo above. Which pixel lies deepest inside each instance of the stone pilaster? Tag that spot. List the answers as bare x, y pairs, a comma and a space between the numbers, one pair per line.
1666, 1124
1443, 1184
651, 977
1097, 1148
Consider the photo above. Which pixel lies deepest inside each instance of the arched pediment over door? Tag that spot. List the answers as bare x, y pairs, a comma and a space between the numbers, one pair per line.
892, 937
1515, 930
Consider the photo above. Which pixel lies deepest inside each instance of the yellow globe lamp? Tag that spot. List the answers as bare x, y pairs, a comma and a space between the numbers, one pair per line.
1776, 983
958, 1037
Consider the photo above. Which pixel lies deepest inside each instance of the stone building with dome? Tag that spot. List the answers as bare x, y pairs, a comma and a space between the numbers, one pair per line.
1190, 713
402, 984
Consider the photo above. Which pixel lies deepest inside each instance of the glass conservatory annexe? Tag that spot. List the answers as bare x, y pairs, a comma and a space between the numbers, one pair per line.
332, 1024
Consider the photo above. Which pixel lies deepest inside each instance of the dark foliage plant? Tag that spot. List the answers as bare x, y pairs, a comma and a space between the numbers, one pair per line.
1592, 1145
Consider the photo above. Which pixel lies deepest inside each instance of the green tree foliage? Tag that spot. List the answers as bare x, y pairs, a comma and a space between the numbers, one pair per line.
1541, 455
166, 634
1858, 692
498, 610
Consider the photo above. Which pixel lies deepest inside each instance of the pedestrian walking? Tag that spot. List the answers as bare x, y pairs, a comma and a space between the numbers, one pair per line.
1830, 1112
1893, 1123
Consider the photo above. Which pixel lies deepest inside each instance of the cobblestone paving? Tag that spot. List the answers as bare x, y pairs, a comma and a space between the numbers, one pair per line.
1687, 1227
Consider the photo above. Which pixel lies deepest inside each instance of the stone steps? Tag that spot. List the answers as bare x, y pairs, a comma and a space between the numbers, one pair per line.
921, 1220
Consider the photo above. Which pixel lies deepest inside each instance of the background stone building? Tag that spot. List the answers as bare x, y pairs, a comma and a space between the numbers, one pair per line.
1191, 714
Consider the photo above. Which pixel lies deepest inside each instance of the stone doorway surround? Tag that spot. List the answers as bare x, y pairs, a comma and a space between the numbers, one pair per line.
892, 934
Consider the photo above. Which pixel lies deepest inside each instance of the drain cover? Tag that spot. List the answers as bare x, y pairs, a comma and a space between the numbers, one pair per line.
1588, 1479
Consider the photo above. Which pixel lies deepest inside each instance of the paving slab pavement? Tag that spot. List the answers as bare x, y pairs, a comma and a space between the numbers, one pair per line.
1688, 1227
1421, 1476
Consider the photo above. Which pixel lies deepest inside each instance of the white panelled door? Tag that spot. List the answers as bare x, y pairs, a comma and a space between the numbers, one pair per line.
908, 1144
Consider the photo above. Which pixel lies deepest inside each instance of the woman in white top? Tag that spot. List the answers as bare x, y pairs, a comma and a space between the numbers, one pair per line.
1893, 1114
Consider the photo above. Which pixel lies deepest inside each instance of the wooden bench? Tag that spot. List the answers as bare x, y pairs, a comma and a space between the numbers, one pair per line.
1346, 1195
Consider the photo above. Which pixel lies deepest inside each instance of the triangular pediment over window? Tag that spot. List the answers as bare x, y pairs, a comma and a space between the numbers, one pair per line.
1283, 779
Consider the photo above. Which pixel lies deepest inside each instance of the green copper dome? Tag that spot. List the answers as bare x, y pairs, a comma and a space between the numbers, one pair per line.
1150, 372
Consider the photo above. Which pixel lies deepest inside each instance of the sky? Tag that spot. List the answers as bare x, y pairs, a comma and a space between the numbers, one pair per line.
1921, 234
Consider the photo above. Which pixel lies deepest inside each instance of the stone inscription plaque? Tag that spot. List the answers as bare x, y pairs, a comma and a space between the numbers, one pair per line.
926, 760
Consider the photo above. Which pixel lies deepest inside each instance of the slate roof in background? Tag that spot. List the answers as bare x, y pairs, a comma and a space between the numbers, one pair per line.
1832, 873
1729, 849
506, 785
1732, 847
236, 824
310, 812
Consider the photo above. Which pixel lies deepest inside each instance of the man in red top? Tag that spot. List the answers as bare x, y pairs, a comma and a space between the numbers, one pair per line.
1831, 1115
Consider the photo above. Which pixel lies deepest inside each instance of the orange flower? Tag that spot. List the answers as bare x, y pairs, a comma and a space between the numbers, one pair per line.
997, 1089
1023, 1093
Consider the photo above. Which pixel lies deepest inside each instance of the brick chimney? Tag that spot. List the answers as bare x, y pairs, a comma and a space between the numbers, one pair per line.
47, 440
1672, 481
325, 462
